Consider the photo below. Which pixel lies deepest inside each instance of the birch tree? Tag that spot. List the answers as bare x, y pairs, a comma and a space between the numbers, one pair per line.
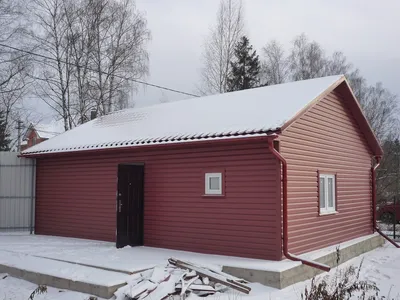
119, 54
307, 59
219, 47
381, 109
275, 64
96, 49
79, 21
53, 74
14, 65
358, 84
337, 64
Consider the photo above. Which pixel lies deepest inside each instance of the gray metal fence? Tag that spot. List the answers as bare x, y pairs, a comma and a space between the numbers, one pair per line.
17, 193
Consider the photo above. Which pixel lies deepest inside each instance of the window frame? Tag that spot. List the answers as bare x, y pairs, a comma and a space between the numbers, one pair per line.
327, 209
213, 192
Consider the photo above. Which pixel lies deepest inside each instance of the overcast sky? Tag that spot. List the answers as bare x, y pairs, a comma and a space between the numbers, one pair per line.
367, 31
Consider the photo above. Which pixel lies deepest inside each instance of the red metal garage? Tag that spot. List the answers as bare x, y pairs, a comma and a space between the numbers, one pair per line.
205, 174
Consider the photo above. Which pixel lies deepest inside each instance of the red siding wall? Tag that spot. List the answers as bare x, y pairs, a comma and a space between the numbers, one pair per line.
327, 138
76, 197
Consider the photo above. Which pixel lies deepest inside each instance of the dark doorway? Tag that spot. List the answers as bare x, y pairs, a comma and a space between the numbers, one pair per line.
130, 205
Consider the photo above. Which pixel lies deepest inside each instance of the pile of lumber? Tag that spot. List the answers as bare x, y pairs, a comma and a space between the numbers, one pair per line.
201, 279
178, 280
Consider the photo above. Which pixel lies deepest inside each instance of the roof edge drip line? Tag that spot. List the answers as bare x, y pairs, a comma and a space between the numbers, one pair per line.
155, 143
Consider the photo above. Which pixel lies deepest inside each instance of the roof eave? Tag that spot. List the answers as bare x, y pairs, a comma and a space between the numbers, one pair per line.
368, 131
188, 142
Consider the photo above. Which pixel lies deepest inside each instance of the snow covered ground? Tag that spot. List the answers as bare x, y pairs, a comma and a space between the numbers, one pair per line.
388, 230
128, 259
73, 272
381, 265
132, 259
17, 289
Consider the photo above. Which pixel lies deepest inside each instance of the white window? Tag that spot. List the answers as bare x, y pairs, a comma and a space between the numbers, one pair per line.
327, 193
213, 183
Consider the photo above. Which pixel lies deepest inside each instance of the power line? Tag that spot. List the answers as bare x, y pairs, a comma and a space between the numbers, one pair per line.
103, 72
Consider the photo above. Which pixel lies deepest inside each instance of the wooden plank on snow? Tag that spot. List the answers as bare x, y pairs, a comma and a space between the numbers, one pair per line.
198, 287
212, 275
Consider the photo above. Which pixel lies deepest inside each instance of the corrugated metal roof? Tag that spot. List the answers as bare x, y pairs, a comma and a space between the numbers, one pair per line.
248, 112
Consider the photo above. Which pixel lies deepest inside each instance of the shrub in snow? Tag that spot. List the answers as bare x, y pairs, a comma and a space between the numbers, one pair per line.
343, 285
41, 289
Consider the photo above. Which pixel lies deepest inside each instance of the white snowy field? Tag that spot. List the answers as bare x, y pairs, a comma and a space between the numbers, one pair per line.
381, 266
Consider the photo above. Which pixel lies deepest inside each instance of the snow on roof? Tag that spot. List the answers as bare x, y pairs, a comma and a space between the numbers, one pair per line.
254, 111
49, 130
46, 130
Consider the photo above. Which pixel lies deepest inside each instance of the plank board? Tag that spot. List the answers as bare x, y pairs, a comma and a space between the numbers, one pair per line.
212, 275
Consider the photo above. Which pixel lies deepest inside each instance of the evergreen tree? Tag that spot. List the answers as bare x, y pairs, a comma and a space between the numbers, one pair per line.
245, 67
4, 135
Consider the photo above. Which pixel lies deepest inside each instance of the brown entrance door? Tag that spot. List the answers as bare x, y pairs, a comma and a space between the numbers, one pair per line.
130, 205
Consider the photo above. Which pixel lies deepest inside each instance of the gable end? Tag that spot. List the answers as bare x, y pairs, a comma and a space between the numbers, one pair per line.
342, 89
327, 139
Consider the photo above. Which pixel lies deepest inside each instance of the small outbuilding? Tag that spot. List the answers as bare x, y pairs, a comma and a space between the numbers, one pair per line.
252, 173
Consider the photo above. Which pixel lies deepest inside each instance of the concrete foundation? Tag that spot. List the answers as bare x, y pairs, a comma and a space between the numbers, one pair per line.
283, 278
102, 291
104, 281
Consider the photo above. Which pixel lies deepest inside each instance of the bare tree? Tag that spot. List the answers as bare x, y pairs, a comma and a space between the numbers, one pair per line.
120, 38
307, 59
219, 47
54, 74
381, 109
388, 172
79, 22
275, 64
380, 106
14, 88
10, 11
358, 84
96, 48
14, 66
337, 64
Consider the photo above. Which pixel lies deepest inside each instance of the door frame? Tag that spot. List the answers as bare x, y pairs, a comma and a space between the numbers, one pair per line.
140, 164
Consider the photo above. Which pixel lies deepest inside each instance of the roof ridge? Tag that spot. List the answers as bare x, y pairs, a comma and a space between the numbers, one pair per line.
195, 99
